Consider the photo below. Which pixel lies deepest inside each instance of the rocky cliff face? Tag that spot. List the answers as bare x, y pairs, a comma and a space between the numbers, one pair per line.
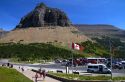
44, 16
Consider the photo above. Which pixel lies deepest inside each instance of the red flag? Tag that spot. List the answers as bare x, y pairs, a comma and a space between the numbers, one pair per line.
76, 46
82, 48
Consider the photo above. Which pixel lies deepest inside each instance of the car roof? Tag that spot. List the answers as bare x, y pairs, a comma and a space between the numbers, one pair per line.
95, 64
122, 61
96, 58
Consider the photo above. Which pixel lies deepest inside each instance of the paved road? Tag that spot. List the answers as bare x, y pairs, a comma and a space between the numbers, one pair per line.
81, 69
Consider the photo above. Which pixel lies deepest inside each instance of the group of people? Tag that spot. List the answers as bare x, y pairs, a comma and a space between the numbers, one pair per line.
8, 65
22, 69
40, 74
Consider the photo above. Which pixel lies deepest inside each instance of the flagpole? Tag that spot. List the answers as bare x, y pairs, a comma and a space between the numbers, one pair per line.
111, 56
72, 62
76, 47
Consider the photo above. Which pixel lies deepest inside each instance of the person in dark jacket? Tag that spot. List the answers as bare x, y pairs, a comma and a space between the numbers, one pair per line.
36, 77
44, 74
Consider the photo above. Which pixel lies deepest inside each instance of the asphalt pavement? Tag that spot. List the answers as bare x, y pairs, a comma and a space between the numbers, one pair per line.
81, 69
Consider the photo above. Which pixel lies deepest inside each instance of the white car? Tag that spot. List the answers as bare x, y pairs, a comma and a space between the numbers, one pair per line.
58, 61
64, 62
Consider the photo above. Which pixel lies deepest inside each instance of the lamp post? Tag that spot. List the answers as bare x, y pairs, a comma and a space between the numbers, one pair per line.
112, 52
40, 66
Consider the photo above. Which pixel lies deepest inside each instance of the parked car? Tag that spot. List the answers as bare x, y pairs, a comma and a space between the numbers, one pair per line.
69, 63
123, 64
117, 65
58, 61
64, 62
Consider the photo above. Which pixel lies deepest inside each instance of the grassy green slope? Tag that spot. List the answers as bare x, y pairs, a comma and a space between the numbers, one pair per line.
11, 75
47, 51
34, 51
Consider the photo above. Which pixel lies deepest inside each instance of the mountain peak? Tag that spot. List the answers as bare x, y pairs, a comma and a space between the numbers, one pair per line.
40, 5
44, 16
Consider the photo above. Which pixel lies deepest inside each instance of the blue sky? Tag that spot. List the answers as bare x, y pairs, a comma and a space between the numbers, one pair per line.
79, 11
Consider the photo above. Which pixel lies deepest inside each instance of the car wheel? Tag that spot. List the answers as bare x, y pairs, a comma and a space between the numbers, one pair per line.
92, 71
88, 70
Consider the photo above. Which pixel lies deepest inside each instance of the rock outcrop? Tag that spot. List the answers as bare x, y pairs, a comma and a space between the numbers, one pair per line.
2, 33
44, 16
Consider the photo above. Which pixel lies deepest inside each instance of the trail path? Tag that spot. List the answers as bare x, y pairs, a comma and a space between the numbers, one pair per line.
28, 73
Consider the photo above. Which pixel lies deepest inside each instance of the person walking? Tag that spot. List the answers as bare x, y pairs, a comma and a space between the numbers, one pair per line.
36, 77
22, 69
44, 74
19, 67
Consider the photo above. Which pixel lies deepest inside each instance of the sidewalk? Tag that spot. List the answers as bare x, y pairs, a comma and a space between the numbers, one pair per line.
28, 73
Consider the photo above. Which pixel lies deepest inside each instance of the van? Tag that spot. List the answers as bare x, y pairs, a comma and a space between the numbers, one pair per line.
98, 68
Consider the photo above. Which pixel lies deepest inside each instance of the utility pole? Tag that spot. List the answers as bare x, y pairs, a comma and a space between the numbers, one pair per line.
111, 56
40, 66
